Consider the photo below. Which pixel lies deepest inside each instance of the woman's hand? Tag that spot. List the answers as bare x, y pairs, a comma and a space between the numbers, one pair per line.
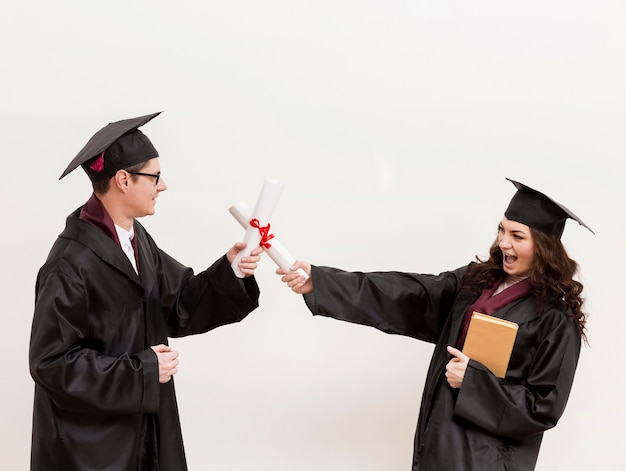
298, 283
455, 369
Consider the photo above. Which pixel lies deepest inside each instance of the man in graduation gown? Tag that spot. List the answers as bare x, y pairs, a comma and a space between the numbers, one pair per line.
488, 423
107, 299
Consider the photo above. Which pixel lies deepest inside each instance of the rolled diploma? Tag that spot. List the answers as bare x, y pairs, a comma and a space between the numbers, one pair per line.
277, 251
265, 204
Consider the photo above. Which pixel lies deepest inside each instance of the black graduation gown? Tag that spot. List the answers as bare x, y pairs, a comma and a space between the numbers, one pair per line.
96, 379
489, 423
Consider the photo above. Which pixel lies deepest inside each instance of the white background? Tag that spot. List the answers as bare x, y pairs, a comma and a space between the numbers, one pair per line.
392, 123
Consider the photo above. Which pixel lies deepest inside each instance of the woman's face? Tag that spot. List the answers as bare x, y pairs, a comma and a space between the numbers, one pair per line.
518, 247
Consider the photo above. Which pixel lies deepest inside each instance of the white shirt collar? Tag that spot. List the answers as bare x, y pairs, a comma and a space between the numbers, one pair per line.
124, 235
125, 238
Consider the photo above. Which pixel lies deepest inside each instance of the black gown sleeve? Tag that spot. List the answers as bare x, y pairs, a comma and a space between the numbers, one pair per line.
198, 303
78, 378
397, 303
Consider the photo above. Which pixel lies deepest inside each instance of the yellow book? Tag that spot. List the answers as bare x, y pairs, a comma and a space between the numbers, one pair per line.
490, 341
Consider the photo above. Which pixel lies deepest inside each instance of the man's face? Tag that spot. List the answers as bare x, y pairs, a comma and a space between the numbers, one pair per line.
143, 190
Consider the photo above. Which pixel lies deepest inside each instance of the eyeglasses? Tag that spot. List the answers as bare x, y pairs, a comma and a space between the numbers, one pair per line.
156, 176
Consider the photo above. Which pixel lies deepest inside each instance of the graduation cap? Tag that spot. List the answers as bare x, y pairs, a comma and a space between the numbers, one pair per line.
117, 145
536, 210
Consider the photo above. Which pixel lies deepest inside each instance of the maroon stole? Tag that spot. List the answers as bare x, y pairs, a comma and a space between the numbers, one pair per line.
95, 214
487, 303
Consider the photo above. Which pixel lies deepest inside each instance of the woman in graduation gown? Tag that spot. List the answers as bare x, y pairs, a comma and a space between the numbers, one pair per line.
470, 419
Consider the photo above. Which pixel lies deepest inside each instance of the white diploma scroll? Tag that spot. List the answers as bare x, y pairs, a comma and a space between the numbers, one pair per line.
277, 251
268, 198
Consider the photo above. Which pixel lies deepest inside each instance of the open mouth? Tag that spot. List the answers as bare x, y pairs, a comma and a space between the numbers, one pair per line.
509, 259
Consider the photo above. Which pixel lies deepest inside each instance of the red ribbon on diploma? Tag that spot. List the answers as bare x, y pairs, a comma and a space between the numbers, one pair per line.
264, 231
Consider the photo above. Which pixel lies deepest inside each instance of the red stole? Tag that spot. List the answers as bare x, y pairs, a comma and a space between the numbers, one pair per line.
487, 303
95, 214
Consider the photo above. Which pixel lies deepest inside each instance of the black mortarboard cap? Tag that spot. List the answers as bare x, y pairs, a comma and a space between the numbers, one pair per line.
117, 145
536, 210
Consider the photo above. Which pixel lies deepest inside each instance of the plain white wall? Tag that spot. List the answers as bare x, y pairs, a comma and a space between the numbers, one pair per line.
392, 124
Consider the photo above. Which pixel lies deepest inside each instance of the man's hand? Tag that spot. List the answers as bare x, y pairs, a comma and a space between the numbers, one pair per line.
248, 264
168, 362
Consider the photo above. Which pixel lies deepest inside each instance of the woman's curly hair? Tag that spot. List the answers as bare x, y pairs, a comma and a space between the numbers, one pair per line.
551, 276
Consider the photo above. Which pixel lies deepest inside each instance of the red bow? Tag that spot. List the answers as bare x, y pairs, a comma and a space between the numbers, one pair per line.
264, 231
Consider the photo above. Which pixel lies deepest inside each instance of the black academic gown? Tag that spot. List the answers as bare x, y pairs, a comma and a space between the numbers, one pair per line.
98, 401
489, 423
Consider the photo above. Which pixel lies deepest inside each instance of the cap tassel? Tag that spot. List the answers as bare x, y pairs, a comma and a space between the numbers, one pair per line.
98, 164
